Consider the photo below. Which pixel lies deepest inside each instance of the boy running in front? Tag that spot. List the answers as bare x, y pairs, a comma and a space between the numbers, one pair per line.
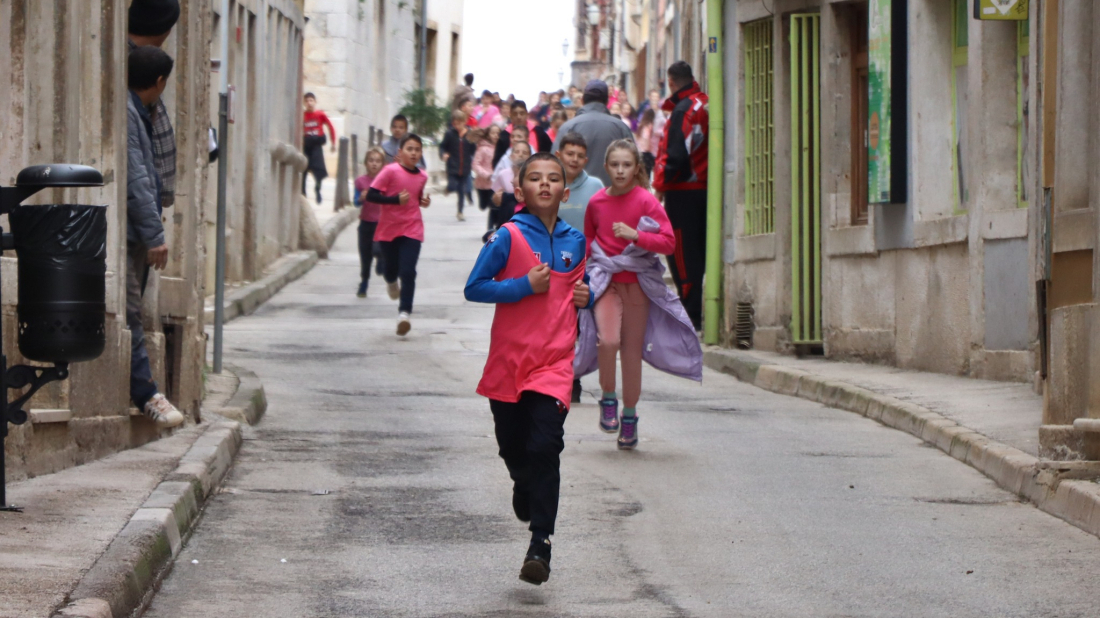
533, 269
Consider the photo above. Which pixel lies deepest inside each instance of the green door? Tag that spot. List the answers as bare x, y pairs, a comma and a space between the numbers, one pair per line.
806, 179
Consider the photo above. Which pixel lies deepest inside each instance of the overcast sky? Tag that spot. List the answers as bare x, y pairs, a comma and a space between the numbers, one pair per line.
515, 46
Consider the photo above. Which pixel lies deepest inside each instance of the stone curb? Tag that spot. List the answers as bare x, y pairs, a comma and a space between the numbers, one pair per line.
248, 404
122, 580
245, 300
287, 269
1048, 485
332, 228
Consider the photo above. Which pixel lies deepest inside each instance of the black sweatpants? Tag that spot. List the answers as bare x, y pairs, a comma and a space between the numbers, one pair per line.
531, 437
366, 248
687, 211
400, 256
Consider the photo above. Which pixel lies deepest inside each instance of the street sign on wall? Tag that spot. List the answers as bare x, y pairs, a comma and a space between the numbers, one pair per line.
887, 80
1001, 10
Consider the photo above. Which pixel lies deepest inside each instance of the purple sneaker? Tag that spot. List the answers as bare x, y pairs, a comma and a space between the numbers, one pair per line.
628, 433
609, 415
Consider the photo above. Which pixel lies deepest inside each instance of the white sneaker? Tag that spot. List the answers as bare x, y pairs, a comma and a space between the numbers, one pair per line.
161, 411
460, 216
394, 290
403, 324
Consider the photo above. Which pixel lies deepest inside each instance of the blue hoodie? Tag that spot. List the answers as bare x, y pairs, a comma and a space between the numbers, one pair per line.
561, 252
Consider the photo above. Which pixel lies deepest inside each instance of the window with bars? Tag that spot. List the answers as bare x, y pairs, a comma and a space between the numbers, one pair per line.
759, 129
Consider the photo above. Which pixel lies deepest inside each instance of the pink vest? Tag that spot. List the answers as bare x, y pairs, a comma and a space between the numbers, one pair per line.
533, 340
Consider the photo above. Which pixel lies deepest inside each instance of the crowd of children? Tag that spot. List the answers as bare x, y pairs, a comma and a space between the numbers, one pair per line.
572, 266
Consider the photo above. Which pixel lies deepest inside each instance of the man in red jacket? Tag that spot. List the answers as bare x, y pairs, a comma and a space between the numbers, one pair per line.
681, 176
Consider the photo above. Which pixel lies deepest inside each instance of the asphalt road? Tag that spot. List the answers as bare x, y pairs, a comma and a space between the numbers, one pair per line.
738, 502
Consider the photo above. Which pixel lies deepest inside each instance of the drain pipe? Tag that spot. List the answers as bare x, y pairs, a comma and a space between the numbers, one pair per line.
715, 171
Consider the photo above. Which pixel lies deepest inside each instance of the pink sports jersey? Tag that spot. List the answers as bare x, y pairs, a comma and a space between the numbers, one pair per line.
397, 220
369, 211
605, 210
532, 341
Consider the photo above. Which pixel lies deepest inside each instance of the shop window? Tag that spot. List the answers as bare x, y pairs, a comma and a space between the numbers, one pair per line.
759, 129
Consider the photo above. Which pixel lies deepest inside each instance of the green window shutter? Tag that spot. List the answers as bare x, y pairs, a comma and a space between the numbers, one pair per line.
759, 129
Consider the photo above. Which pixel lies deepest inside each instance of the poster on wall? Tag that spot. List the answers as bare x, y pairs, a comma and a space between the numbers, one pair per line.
887, 76
1001, 10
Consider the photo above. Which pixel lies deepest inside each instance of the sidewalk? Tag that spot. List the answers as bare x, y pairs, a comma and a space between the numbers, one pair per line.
242, 298
94, 539
992, 426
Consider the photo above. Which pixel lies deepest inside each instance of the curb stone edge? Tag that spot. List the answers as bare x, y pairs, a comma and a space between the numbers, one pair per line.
1072, 500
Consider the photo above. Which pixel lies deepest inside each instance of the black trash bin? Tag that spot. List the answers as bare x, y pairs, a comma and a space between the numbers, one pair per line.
62, 250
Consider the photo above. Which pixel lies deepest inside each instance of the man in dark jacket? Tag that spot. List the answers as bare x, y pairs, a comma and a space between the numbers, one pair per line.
598, 128
149, 68
681, 176
458, 152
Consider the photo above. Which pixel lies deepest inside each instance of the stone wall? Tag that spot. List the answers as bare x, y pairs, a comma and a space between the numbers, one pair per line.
64, 100
359, 60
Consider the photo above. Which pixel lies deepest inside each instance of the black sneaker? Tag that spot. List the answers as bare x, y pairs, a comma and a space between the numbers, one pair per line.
536, 565
521, 506
576, 391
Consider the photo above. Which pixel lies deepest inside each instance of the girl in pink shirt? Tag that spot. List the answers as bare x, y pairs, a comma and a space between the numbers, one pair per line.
369, 212
399, 188
622, 311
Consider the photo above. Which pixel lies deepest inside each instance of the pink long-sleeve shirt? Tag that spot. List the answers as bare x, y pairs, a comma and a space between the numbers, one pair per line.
606, 210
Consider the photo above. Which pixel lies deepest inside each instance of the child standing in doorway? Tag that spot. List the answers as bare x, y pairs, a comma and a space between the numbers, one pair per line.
399, 188
369, 212
626, 228
533, 270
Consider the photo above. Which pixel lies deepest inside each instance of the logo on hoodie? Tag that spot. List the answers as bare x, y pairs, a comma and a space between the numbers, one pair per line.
567, 257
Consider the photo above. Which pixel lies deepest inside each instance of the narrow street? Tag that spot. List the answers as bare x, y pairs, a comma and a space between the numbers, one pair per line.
372, 488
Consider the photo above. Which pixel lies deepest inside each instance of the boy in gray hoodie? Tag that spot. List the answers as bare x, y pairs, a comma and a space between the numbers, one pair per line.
149, 68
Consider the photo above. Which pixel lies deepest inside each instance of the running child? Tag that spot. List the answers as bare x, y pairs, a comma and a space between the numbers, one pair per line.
636, 315
458, 153
504, 190
533, 270
368, 215
483, 168
399, 188
573, 154
314, 123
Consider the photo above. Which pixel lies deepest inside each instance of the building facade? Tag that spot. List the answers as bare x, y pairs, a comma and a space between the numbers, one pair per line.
936, 275
64, 98
360, 59
444, 47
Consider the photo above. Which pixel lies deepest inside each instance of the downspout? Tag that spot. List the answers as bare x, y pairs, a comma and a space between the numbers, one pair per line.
715, 172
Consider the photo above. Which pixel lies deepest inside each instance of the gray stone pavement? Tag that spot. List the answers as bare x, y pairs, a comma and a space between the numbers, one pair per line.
372, 488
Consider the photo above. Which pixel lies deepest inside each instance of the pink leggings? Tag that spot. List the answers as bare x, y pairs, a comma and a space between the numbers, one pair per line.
621, 316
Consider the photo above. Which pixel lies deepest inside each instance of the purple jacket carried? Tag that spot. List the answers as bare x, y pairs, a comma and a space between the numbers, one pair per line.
671, 344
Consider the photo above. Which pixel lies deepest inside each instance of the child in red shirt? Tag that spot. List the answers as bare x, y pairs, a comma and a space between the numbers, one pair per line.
314, 141
622, 312
399, 188
369, 213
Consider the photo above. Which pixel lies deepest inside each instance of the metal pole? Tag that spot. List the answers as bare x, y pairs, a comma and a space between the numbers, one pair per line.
715, 166
223, 169
423, 43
